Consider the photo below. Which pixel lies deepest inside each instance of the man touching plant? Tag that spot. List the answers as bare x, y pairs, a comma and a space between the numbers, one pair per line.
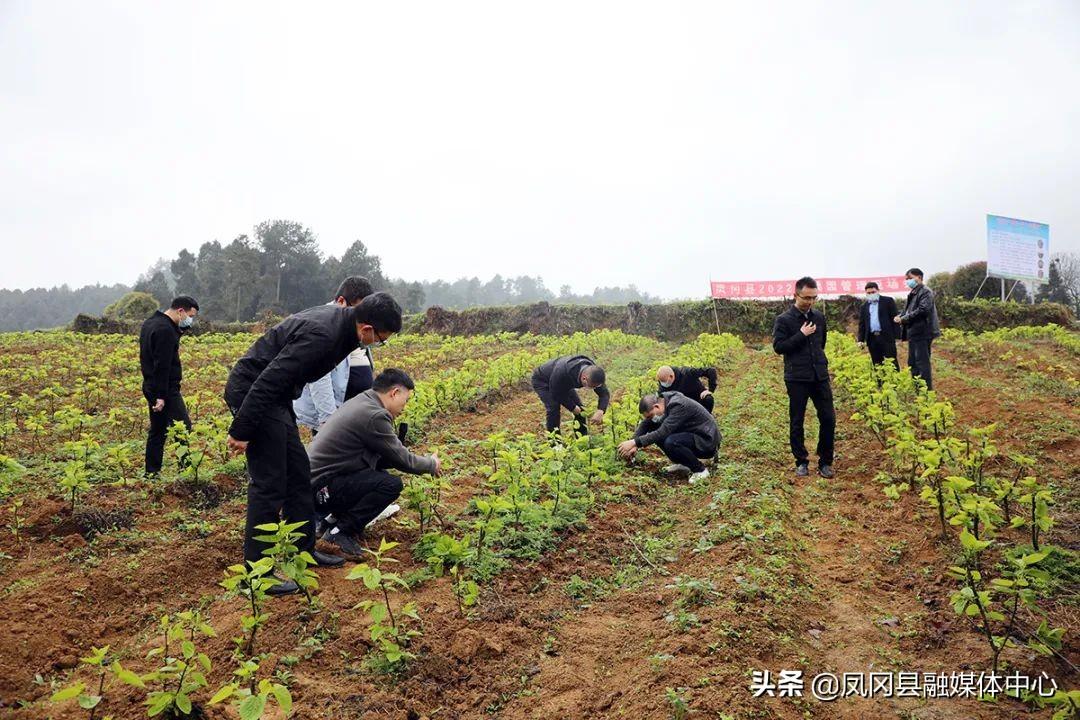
159, 360
261, 387
557, 382
352, 456
681, 427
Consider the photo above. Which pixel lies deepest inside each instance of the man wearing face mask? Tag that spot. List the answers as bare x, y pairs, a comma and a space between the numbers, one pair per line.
320, 399
876, 325
260, 390
159, 359
799, 334
557, 381
919, 325
351, 457
687, 380
681, 427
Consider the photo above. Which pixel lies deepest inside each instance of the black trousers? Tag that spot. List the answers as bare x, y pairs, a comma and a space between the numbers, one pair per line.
708, 402
919, 360
553, 408
821, 393
279, 484
881, 347
356, 500
175, 410
681, 448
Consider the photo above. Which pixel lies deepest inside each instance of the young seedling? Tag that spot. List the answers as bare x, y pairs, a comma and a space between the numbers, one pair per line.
99, 659
250, 696
393, 639
74, 479
449, 555
251, 581
287, 557
180, 676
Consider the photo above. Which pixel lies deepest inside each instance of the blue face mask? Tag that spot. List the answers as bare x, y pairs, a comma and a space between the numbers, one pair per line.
665, 384
910, 282
187, 321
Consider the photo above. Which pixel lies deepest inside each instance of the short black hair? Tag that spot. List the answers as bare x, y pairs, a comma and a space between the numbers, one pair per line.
596, 374
872, 284
915, 271
390, 377
647, 401
805, 282
380, 311
184, 302
354, 289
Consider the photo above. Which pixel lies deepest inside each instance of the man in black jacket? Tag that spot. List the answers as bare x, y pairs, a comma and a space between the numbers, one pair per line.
799, 334
682, 427
159, 359
556, 382
260, 390
876, 326
687, 380
919, 323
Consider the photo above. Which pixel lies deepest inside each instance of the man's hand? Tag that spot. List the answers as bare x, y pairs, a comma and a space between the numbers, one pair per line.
159, 405
704, 394
597, 417
897, 320
236, 446
578, 410
862, 346
627, 449
438, 464
808, 329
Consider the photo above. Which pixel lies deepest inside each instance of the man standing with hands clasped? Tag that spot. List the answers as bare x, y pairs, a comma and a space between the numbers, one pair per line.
799, 334
876, 326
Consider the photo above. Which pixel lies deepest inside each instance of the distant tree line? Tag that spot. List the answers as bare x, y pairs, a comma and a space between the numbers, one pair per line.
277, 270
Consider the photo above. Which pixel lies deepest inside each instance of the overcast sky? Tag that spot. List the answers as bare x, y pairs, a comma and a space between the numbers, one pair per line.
590, 143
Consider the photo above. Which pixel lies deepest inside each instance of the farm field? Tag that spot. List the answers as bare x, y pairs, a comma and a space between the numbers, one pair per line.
538, 582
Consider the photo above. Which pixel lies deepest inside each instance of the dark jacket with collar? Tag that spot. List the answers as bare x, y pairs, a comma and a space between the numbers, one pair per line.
688, 381
298, 350
159, 356
804, 355
360, 436
681, 415
920, 318
886, 309
562, 375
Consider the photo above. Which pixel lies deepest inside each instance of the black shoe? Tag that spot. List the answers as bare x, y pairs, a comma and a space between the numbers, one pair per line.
285, 587
345, 543
802, 469
327, 560
826, 471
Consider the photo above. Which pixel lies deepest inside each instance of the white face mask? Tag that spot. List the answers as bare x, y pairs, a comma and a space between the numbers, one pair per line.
871, 297
665, 384
657, 419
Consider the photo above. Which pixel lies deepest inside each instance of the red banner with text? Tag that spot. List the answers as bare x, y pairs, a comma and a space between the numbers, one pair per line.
762, 289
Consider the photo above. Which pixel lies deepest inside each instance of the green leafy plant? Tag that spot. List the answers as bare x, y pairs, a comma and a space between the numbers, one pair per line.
250, 695
290, 561
251, 581
74, 480
105, 665
447, 555
181, 673
390, 639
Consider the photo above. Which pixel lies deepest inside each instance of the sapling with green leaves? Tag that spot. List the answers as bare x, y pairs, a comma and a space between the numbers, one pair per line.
393, 639
251, 581
10, 469
450, 555
1034, 502
105, 665
290, 561
74, 480
181, 674
250, 695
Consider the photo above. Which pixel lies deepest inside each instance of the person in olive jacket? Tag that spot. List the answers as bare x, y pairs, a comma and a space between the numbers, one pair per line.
159, 360
261, 387
799, 334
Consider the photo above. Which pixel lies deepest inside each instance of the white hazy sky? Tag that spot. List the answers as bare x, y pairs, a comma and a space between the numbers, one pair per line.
592, 143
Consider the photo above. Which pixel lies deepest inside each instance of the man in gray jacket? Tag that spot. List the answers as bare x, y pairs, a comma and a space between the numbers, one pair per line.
685, 430
351, 455
919, 326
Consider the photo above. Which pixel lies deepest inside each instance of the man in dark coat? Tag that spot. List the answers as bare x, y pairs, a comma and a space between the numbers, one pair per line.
876, 326
159, 359
687, 380
261, 387
557, 382
799, 334
683, 428
920, 325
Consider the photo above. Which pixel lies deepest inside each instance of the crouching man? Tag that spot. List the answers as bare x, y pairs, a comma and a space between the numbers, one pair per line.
684, 430
351, 457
